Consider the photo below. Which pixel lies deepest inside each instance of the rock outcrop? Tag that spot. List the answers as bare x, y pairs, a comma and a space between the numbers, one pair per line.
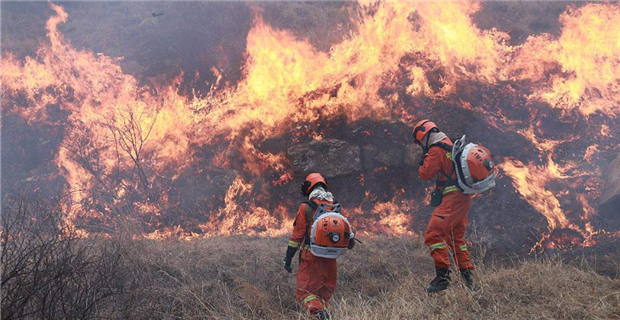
413, 154
609, 205
331, 157
611, 193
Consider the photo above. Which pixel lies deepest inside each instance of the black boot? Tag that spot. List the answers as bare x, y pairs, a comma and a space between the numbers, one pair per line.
322, 314
468, 278
441, 281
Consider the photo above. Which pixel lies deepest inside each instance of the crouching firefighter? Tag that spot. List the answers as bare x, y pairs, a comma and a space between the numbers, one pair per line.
461, 170
323, 234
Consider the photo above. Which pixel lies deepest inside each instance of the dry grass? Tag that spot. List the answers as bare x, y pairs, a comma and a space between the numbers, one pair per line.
242, 278
47, 276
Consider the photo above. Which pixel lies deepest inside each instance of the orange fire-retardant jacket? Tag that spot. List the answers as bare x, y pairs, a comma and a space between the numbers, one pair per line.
438, 160
301, 226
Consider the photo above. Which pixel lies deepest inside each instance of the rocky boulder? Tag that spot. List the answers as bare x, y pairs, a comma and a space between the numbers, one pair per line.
413, 154
609, 205
331, 157
612, 187
382, 156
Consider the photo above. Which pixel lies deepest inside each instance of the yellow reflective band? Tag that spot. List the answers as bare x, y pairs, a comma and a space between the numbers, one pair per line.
293, 244
449, 189
449, 155
463, 247
440, 245
310, 298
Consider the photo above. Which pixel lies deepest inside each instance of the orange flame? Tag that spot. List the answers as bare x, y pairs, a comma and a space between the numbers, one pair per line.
122, 138
586, 52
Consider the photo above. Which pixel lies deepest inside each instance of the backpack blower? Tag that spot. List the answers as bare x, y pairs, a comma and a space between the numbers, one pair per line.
474, 166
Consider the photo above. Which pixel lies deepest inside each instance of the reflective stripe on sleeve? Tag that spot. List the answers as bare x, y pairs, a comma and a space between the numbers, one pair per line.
293, 244
463, 247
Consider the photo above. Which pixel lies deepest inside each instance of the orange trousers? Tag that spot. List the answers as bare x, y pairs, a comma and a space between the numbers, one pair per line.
446, 231
316, 281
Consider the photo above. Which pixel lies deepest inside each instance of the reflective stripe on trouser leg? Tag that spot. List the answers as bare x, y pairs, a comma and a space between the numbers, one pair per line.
434, 239
461, 250
461, 256
438, 245
439, 253
316, 277
309, 298
313, 303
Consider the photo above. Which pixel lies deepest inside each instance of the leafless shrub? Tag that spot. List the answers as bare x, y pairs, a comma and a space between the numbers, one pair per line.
48, 272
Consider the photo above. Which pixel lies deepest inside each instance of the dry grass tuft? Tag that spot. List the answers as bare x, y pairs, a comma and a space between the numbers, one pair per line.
242, 278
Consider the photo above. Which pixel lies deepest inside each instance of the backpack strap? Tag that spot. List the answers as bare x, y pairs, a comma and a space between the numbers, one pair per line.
442, 145
450, 184
310, 208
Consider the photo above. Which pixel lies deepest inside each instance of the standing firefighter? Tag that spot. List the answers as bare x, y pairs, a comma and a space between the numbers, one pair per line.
471, 171
323, 235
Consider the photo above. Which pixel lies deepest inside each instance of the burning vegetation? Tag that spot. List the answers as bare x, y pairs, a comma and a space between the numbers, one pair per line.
144, 152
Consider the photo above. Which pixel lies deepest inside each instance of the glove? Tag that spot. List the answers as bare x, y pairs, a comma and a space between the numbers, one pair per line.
422, 160
351, 243
290, 252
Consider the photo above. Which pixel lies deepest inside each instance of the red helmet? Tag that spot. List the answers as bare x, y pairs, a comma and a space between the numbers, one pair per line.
311, 180
422, 128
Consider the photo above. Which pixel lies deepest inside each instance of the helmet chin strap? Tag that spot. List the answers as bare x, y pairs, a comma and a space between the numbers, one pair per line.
427, 137
425, 146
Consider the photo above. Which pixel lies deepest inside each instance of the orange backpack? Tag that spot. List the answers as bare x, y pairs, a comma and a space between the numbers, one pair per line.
330, 232
474, 166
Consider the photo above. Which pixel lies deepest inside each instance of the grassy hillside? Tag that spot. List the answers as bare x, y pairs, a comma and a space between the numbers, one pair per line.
50, 272
242, 278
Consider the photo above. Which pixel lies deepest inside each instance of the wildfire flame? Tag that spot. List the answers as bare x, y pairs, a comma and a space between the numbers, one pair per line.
125, 145
587, 56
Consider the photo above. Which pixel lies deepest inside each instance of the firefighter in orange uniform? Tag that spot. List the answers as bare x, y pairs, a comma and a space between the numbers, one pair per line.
316, 277
448, 223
